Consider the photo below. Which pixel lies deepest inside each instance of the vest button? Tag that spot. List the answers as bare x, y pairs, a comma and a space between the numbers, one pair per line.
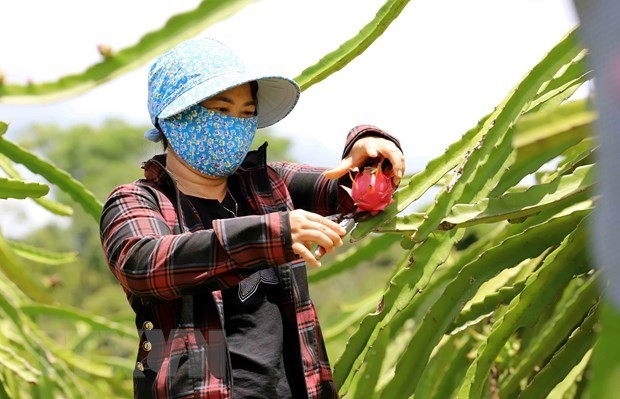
148, 325
140, 366
147, 346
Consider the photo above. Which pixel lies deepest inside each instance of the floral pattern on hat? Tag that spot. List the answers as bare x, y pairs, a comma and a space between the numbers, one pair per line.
201, 68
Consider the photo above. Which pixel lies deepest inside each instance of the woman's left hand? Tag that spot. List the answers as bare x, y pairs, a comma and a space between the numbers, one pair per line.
370, 147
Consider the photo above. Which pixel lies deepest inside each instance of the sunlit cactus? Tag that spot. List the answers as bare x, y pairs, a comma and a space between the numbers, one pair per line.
493, 294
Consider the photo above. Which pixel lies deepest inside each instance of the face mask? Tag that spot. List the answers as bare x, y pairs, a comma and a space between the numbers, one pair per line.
210, 142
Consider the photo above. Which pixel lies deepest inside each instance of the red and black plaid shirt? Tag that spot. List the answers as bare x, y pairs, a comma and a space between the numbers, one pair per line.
172, 269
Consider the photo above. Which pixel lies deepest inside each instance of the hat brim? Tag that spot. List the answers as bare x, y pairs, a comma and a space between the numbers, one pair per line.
276, 96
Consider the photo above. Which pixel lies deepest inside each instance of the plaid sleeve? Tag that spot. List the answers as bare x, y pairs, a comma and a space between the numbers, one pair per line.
149, 259
312, 191
363, 131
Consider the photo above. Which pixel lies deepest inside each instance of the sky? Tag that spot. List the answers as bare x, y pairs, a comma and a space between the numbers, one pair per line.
439, 67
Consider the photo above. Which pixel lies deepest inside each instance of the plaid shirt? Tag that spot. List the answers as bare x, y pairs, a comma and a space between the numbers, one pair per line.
172, 269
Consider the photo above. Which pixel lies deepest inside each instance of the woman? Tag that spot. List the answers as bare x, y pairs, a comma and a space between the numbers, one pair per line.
211, 246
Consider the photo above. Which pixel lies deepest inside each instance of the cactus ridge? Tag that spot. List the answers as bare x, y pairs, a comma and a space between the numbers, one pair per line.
509, 253
542, 289
557, 329
177, 28
576, 347
54, 175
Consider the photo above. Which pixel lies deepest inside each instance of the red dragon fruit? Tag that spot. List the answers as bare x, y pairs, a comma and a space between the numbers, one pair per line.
372, 189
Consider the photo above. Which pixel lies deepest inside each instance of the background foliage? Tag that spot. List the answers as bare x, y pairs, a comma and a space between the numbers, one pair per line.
489, 290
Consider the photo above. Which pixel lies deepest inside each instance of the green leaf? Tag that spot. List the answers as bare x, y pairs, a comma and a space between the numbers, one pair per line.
59, 380
353, 257
20, 189
52, 206
3, 393
605, 366
446, 367
54, 175
487, 306
3, 127
563, 361
10, 299
18, 365
486, 163
71, 360
118, 363
563, 85
547, 126
353, 47
555, 331
507, 254
438, 167
542, 289
542, 136
367, 381
522, 204
63, 312
510, 206
574, 156
12, 269
352, 314
40, 255
576, 69
406, 224
177, 29
409, 282
573, 385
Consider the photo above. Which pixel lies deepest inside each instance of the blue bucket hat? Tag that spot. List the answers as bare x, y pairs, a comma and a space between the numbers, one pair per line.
201, 68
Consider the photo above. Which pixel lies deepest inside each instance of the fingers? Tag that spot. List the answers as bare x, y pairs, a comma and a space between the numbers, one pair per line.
324, 232
325, 238
357, 158
305, 254
371, 152
343, 168
388, 150
308, 228
370, 147
397, 159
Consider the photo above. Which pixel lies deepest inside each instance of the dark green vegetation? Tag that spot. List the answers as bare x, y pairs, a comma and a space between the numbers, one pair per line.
487, 292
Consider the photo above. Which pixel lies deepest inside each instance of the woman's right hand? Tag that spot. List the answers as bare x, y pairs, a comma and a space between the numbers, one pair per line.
308, 228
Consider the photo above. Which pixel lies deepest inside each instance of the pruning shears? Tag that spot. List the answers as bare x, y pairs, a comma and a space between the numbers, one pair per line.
347, 221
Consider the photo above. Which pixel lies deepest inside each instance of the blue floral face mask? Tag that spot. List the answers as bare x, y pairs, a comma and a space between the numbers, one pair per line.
210, 142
